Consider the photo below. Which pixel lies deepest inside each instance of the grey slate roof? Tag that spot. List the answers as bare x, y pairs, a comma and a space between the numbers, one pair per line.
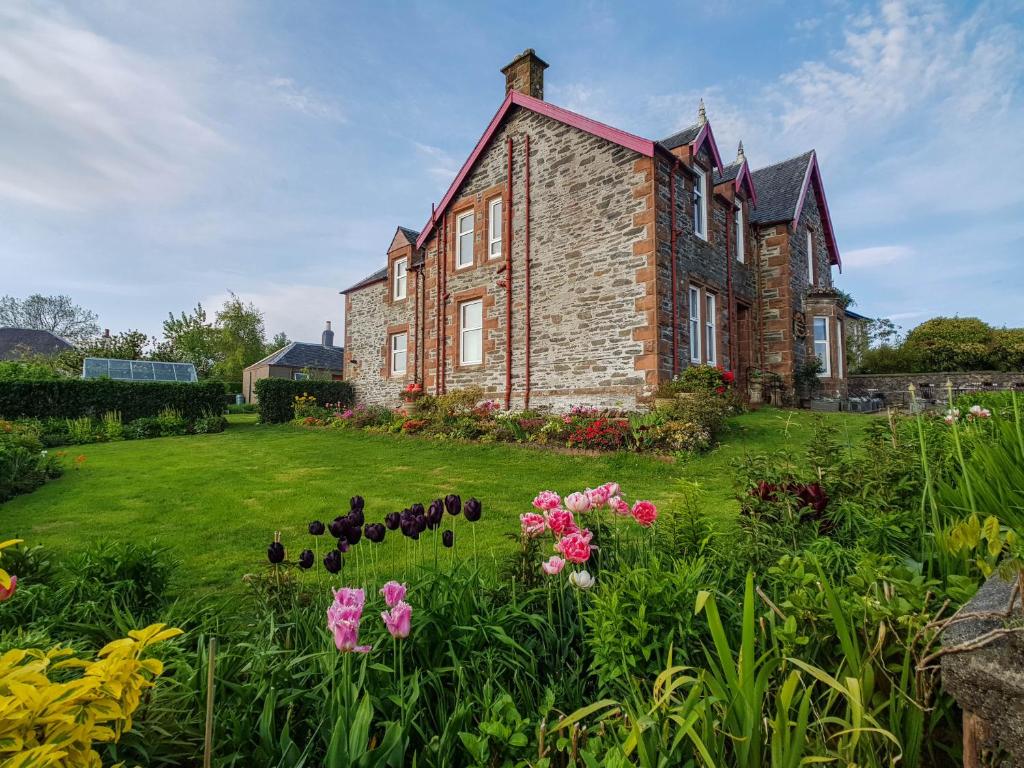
412, 234
15, 342
778, 189
730, 173
684, 137
382, 274
300, 354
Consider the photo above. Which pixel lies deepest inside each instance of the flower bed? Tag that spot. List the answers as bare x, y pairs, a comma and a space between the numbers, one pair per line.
691, 425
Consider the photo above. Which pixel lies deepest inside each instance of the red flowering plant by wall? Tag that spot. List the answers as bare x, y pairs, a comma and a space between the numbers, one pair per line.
705, 378
412, 392
601, 433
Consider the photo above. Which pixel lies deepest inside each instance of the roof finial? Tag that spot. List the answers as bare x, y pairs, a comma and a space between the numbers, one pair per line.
702, 115
740, 157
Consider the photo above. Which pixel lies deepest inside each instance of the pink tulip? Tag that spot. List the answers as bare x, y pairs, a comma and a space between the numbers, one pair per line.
620, 506
553, 565
575, 547
546, 501
561, 522
597, 496
613, 489
577, 502
393, 592
7, 593
398, 620
533, 525
645, 513
343, 619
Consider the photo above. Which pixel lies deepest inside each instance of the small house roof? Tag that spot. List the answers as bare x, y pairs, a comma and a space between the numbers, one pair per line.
300, 354
16, 342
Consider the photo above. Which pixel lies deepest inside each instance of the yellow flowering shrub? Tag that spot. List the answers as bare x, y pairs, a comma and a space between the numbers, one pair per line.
55, 706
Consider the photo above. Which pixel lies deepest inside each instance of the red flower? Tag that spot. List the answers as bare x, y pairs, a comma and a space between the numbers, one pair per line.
728, 377
719, 390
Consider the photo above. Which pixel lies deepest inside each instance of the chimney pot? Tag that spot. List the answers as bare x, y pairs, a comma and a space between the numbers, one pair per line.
525, 73
327, 338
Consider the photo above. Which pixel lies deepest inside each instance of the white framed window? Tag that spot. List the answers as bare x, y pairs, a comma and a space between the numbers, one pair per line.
471, 332
810, 257
710, 328
741, 245
823, 345
494, 228
399, 353
840, 348
299, 376
401, 279
694, 324
700, 219
464, 241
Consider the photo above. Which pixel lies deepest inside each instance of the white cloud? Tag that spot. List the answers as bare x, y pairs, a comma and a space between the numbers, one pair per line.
88, 121
876, 256
439, 164
304, 99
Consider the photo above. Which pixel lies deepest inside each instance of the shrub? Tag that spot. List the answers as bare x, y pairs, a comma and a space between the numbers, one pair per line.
601, 434
951, 343
276, 397
140, 429
72, 398
704, 378
24, 465
210, 425
1008, 349
21, 370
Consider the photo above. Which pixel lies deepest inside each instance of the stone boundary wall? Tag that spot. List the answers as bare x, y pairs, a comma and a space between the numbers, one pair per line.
932, 386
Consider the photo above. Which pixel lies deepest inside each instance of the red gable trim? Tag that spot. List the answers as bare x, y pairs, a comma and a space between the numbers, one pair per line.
706, 135
622, 138
814, 174
745, 176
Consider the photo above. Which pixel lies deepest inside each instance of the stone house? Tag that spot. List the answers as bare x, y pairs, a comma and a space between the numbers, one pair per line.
297, 360
570, 262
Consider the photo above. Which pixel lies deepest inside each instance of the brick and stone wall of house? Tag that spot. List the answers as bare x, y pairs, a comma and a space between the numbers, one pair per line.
591, 240
699, 262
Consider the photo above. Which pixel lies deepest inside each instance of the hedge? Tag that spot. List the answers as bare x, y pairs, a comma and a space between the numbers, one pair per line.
71, 398
275, 398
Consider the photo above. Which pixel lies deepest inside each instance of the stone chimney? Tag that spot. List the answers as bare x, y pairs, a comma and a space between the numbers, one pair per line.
327, 338
525, 74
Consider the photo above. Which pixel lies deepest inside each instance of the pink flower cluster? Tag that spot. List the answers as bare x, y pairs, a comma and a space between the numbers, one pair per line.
398, 617
346, 613
559, 516
974, 412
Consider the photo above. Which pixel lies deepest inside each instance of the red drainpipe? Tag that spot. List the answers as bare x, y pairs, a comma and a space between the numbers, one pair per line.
437, 338
415, 319
729, 223
675, 307
444, 307
526, 268
508, 282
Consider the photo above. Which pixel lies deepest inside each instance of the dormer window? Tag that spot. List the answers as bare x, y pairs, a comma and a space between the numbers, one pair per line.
700, 219
400, 279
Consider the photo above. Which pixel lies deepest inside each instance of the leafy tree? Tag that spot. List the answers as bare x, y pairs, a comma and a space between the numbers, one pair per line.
190, 338
129, 345
951, 343
280, 340
1008, 349
57, 314
241, 338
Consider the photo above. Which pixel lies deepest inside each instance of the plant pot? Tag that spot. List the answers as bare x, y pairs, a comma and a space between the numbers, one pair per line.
755, 394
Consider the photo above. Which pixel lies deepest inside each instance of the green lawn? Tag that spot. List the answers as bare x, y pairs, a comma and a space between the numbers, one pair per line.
216, 500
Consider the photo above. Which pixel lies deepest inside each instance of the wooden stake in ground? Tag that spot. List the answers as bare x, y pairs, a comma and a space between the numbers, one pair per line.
208, 740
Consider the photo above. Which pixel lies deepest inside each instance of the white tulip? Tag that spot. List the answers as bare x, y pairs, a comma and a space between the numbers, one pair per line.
581, 579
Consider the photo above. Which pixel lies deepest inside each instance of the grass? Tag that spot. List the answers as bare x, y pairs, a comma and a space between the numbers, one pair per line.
216, 500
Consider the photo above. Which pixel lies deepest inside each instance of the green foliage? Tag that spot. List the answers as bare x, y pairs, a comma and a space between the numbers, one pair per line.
28, 370
947, 344
276, 397
241, 339
190, 338
24, 465
72, 398
58, 314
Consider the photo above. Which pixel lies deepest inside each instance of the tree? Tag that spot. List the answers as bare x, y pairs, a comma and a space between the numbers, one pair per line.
280, 340
190, 338
241, 338
57, 314
951, 344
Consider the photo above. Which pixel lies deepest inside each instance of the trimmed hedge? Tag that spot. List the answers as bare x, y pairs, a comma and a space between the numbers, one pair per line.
71, 398
275, 398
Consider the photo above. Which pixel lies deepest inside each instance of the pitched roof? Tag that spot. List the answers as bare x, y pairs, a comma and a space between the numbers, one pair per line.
737, 172
299, 354
515, 98
698, 135
16, 342
681, 139
410, 234
376, 277
783, 187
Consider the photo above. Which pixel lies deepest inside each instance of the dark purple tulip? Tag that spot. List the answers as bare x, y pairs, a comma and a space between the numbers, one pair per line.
306, 559
453, 504
343, 544
356, 517
356, 503
408, 525
392, 520
338, 526
317, 528
417, 510
448, 539
472, 510
374, 532
275, 552
354, 535
421, 523
332, 561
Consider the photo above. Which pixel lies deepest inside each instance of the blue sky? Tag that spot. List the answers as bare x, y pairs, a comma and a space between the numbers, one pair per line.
154, 154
